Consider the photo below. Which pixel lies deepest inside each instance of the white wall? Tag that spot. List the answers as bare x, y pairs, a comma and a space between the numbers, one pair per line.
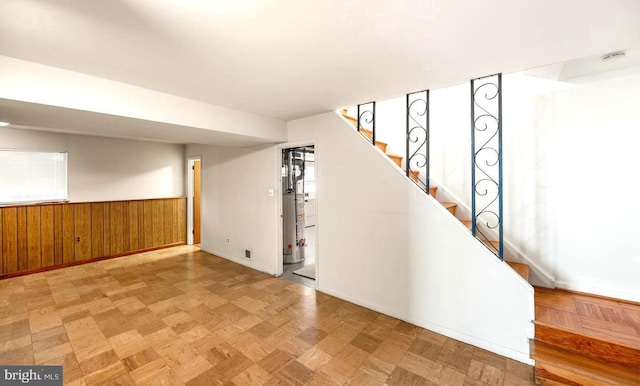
21, 80
594, 186
386, 245
102, 169
566, 151
235, 204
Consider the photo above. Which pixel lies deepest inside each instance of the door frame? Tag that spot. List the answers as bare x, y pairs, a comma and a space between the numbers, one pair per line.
278, 196
190, 193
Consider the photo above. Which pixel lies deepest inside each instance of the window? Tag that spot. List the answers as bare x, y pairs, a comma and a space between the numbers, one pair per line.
32, 176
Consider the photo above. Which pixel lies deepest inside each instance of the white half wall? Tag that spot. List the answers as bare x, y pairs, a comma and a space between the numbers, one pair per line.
388, 246
104, 169
235, 204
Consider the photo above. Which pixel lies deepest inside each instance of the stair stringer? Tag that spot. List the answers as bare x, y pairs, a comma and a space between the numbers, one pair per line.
540, 276
386, 245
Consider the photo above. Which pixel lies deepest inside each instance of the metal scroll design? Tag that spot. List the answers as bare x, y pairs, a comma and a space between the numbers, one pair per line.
367, 120
417, 139
486, 152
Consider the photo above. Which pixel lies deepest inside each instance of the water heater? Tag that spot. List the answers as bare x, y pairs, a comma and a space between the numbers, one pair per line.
293, 242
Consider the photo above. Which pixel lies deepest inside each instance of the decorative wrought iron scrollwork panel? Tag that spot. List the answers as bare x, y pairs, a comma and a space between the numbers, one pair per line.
486, 153
367, 120
417, 138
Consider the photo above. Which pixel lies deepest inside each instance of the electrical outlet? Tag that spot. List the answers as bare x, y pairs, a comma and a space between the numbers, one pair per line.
228, 240
247, 253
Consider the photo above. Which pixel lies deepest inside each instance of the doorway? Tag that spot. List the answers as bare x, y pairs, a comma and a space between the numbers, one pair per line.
194, 173
299, 215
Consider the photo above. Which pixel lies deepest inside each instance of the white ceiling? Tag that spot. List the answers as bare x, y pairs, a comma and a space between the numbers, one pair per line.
33, 116
293, 58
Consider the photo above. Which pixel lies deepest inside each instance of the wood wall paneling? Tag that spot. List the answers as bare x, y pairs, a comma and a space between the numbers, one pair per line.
33, 237
141, 220
116, 228
182, 221
33, 233
82, 231
107, 228
68, 231
158, 222
125, 227
22, 239
134, 229
148, 224
168, 221
58, 235
47, 235
10, 240
97, 230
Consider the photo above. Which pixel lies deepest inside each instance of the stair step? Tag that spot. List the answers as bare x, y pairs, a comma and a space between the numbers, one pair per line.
382, 146
556, 366
450, 206
414, 175
467, 223
491, 244
607, 351
348, 117
521, 269
395, 158
369, 135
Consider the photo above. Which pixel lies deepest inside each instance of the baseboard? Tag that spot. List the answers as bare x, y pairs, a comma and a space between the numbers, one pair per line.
609, 293
443, 330
242, 261
86, 261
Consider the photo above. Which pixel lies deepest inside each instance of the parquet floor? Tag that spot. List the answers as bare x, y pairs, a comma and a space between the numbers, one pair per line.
606, 319
181, 316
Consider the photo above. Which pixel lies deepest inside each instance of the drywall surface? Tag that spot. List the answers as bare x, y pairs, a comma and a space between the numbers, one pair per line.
235, 204
386, 245
103, 169
593, 186
36, 83
566, 147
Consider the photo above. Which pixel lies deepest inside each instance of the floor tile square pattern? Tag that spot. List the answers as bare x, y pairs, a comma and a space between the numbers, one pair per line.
180, 316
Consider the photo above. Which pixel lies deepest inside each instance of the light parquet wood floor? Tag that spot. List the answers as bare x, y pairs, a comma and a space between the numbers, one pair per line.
181, 316
606, 319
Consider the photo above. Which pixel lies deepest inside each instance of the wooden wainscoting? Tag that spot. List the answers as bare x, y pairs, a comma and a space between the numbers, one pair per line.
45, 236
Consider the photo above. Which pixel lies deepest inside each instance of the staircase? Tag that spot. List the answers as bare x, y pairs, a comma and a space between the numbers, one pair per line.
579, 339
583, 339
521, 269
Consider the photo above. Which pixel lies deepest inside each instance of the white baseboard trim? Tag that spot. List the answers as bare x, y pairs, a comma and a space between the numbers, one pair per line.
242, 261
630, 296
443, 330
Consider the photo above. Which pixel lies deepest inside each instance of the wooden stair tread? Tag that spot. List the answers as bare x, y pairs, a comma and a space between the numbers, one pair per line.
564, 333
466, 223
604, 319
395, 158
565, 367
450, 206
521, 269
491, 244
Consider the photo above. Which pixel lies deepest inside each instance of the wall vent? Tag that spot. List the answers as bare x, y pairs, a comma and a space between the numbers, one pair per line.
247, 253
